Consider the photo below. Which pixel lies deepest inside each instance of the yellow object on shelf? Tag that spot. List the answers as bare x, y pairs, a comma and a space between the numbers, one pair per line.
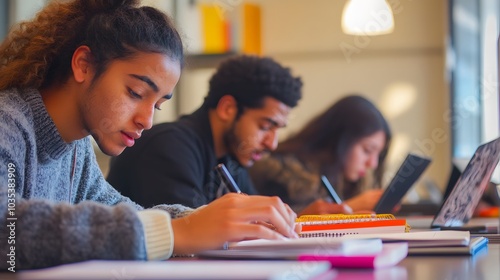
235, 29
251, 29
215, 30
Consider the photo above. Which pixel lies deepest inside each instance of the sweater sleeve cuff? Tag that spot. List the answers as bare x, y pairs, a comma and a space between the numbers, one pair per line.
158, 233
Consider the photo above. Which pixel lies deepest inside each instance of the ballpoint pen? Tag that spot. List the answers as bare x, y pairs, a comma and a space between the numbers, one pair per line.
330, 190
227, 179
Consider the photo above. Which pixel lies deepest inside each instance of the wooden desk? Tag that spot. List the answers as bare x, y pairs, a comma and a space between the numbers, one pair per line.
485, 265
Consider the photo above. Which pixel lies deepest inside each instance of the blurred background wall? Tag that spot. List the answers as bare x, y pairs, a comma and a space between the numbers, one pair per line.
410, 74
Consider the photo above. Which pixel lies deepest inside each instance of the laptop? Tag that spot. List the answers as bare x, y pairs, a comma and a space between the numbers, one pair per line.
455, 174
408, 173
458, 206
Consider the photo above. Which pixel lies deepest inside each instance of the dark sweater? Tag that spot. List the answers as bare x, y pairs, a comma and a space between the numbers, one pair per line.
174, 163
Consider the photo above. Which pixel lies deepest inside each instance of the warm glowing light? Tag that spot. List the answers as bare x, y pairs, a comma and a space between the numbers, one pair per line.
397, 99
367, 17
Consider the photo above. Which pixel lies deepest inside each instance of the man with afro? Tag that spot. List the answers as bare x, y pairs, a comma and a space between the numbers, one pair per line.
248, 101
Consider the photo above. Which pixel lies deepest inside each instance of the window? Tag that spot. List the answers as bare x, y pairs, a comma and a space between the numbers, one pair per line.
4, 8
473, 57
474, 74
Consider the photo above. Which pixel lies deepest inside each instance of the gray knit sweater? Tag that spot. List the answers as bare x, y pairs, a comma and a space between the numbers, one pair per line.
64, 211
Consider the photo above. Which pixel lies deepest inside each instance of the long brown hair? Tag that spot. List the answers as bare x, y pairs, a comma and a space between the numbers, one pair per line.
326, 140
37, 53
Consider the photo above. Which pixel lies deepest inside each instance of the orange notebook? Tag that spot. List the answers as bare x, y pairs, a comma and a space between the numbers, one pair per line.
338, 225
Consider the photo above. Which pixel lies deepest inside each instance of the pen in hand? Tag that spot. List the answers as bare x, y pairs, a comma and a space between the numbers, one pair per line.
229, 182
227, 179
330, 190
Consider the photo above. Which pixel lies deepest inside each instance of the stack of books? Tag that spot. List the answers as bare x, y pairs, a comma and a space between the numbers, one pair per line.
316, 242
390, 229
448, 242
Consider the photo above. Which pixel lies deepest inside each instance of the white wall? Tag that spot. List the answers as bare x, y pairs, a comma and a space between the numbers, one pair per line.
403, 72
20, 10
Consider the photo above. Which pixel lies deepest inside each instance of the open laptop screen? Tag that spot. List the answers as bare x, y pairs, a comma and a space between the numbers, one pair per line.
459, 206
408, 173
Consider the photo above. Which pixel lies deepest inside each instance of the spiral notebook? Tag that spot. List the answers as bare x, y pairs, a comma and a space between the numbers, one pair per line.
338, 225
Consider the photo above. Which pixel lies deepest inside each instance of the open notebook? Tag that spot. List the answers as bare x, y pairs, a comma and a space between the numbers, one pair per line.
293, 248
340, 252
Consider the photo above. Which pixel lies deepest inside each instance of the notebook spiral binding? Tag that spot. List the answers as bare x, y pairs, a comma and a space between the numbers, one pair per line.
326, 234
342, 218
327, 219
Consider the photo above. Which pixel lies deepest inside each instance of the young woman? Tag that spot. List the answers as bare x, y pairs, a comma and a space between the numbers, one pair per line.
346, 143
98, 68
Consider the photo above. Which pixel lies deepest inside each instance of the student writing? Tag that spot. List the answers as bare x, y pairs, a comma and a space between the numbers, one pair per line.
98, 68
248, 101
346, 143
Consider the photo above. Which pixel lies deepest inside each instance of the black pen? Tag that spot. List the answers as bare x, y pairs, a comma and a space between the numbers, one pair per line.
330, 190
227, 179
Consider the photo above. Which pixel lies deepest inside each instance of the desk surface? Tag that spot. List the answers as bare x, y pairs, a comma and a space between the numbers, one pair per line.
485, 265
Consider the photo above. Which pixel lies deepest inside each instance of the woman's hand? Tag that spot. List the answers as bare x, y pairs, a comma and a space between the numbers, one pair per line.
321, 206
365, 201
233, 217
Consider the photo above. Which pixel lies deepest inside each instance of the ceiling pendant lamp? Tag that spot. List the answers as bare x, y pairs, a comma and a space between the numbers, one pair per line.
367, 17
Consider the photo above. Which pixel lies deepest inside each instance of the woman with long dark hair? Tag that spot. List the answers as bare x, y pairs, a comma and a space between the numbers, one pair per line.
348, 143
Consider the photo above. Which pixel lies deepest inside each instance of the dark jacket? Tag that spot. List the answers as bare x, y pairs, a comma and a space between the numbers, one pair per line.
174, 163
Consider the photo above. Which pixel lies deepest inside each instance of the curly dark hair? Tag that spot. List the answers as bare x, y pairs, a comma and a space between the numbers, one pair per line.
249, 79
37, 54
